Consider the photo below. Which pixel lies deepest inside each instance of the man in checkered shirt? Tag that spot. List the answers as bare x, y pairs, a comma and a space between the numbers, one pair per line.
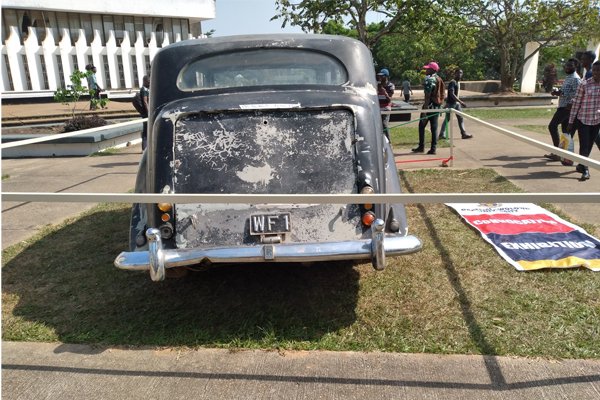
586, 110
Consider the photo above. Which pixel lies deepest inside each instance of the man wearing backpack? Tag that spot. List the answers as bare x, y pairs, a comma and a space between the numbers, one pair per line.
434, 89
140, 102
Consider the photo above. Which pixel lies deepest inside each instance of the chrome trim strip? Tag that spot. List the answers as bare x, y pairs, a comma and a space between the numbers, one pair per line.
393, 245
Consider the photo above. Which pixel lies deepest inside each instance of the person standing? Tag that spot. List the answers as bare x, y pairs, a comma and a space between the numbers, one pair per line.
385, 91
587, 59
453, 101
145, 97
433, 88
566, 96
406, 89
586, 113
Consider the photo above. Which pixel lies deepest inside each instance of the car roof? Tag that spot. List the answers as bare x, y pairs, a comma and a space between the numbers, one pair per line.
169, 61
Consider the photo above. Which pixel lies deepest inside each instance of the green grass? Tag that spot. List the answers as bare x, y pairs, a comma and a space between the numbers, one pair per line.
106, 152
534, 128
5, 176
455, 296
408, 135
512, 114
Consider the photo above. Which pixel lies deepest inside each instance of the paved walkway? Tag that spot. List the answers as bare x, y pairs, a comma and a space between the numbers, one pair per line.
39, 370
60, 371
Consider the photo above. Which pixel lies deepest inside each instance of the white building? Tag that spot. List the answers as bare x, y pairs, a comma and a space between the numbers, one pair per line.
44, 41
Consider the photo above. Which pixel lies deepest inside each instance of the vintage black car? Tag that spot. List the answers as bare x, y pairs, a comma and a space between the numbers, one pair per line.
265, 114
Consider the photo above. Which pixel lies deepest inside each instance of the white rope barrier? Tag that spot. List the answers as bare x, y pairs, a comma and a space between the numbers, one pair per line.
564, 153
406, 198
49, 138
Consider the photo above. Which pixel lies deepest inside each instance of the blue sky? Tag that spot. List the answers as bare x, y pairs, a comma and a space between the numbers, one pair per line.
240, 17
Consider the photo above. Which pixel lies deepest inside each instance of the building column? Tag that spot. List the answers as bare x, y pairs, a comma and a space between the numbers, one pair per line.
529, 76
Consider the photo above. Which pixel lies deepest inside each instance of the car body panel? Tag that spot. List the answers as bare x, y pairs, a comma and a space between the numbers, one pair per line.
285, 114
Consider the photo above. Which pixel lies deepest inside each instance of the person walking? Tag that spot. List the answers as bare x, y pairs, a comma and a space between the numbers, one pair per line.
565, 101
406, 89
385, 91
585, 113
433, 88
587, 59
453, 101
95, 90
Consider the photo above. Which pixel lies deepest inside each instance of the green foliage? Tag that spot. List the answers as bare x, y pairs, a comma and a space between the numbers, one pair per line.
509, 28
315, 16
73, 93
413, 76
485, 38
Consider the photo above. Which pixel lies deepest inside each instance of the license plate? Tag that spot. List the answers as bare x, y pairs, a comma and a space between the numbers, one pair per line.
269, 224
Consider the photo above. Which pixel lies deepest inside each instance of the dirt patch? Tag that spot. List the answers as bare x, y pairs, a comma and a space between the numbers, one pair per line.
30, 129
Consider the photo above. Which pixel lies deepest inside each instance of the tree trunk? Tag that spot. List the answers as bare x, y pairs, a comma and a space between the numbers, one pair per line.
507, 77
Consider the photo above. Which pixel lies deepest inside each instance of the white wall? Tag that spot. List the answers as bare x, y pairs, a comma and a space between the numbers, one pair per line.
189, 9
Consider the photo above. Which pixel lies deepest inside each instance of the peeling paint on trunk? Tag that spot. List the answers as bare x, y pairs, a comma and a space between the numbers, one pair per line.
267, 151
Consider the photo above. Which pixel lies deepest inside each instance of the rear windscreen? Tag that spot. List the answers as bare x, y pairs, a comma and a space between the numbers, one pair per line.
263, 67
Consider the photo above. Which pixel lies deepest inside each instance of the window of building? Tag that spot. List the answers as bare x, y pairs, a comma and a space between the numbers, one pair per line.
129, 26
105, 71
26, 68
9, 18
11, 85
61, 73
107, 26
74, 62
134, 71
121, 71
119, 28
44, 83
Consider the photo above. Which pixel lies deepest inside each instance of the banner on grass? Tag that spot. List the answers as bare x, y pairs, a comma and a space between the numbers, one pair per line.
530, 238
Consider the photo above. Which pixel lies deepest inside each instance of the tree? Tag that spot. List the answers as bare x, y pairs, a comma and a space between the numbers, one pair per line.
508, 25
75, 91
71, 95
314, 16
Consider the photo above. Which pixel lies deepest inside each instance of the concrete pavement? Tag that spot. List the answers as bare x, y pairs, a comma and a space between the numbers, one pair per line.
62, 371
114, 173
40, 370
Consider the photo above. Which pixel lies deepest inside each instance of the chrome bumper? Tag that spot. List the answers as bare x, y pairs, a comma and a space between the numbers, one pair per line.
157, 260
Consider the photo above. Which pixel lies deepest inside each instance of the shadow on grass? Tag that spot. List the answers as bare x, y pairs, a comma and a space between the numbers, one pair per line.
65, 287
475, 330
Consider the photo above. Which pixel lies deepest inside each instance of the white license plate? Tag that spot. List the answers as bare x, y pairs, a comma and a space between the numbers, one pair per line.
269, 224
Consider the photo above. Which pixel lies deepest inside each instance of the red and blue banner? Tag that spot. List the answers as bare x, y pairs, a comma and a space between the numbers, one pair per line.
531, 238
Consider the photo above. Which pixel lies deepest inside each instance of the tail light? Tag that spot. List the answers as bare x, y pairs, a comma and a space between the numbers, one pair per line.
368, 218
166, 215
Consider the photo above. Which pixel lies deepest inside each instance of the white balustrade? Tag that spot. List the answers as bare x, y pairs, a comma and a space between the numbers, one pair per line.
25, 59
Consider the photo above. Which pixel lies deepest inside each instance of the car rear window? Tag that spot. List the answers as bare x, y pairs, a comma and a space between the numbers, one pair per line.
262, 67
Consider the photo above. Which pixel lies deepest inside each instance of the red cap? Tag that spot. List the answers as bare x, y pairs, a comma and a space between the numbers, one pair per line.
432, 65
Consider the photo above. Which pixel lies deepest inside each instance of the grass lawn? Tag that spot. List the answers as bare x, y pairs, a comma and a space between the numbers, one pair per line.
407, 135
512, 113
455, 296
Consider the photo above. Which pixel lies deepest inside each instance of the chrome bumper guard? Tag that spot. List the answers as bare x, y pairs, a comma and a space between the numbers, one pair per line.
157, 260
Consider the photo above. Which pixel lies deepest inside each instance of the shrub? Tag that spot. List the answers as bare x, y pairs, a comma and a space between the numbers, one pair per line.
82, 122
